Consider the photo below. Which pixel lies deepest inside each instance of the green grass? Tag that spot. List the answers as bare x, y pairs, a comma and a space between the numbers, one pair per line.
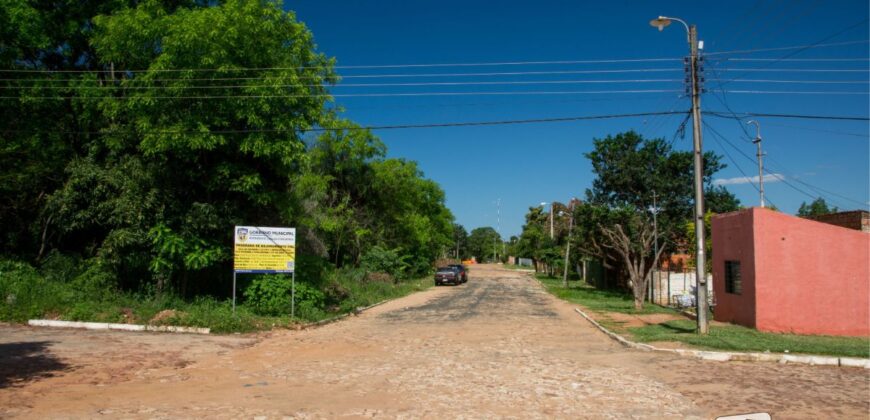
739, 338
720, 337
597, 300
516, 267
26, 293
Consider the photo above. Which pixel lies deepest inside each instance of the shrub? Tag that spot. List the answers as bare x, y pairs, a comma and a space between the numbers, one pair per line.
26, 294
271, 295
382, 260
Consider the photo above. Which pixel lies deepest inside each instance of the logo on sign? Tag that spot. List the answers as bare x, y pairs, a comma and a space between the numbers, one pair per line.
243, 234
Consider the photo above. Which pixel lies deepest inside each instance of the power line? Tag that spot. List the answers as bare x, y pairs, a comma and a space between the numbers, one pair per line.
433, 75
821, 130
786, 70
721, 114
786, 92
736, 165
796, 60
817, 189
388, 75
418, 94
796, 47
462, 83
476, 83
381, 127
784, 179
811, 82
375, 66
350, 95
806, 47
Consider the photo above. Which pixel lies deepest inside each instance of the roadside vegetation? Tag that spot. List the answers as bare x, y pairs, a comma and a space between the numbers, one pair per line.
601, 304
152, 129
46, 293
739, 338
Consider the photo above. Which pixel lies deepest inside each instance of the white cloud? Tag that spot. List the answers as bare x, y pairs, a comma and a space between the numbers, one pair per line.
748, 180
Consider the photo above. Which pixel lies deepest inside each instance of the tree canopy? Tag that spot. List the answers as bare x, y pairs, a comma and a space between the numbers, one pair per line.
817, 207
154, 126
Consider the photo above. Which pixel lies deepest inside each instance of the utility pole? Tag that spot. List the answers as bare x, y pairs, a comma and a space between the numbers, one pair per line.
552, 208
700, 259
498, 218
757, 142
656, 245
568, 246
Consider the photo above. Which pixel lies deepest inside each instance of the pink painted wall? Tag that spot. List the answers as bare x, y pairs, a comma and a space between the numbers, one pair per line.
732, 240
798, 275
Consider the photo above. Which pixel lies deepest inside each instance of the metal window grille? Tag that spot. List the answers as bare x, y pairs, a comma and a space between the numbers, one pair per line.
733, 283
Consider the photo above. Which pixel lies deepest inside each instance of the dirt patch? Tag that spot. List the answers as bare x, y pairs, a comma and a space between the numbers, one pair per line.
164, 316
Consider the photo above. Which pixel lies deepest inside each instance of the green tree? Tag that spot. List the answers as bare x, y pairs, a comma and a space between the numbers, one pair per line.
816, 208
460, 241
484, 243
615, 224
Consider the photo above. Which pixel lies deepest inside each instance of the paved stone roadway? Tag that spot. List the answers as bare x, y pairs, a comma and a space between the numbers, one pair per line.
498, 346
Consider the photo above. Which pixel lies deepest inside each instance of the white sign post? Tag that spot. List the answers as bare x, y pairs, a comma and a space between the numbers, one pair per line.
265, 250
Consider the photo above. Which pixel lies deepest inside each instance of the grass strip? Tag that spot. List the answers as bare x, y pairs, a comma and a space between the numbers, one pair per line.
727, 337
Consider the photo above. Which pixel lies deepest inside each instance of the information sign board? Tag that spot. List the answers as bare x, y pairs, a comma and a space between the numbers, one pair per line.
264, 249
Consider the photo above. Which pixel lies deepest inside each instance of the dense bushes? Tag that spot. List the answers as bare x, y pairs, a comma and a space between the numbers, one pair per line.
61, 290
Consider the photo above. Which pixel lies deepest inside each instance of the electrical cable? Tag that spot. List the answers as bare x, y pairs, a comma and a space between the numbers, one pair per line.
388, 75
375, 66
795, 60
804, 48
785, 92
383, 127
721, 114
797, 47
821, 130
736, 165
782, 178
349, 95
525, 82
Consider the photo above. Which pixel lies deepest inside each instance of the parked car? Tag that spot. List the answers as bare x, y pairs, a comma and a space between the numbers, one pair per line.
463, 271
445, 275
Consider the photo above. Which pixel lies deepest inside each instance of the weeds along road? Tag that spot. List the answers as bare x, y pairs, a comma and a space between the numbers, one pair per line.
498, 346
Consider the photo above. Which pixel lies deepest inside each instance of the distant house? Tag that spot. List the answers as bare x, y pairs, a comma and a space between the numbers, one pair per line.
781, 273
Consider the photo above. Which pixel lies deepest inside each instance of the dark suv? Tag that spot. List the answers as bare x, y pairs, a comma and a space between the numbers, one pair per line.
446, 275
463, 271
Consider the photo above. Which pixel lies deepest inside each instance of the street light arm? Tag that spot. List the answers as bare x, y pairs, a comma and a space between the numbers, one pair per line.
757, 129
686, 25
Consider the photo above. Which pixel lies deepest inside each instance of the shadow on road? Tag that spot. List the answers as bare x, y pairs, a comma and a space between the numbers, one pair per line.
27, 361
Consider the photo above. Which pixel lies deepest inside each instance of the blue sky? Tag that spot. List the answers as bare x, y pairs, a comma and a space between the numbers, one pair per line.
524, 165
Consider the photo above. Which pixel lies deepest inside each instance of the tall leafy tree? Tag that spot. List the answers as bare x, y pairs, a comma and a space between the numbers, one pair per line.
484, 243
615, 224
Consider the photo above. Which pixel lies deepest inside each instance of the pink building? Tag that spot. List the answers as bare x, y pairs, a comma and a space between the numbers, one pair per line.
781, 273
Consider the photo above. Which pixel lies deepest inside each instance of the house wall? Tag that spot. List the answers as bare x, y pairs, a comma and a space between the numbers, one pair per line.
733, 241
814, 278
799, 276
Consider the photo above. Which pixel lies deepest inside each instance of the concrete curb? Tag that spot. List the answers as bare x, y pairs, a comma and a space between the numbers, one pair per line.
721, 356
116, 327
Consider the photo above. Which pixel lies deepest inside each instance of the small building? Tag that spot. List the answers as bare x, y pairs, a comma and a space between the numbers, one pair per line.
782, 273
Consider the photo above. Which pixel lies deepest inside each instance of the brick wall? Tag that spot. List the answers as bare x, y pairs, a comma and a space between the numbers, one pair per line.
857, 220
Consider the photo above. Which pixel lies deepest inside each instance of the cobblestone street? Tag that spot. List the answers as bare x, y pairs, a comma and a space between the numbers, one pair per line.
498, 346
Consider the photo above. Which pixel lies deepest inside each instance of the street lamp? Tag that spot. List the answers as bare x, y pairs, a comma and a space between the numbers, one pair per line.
701, 296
